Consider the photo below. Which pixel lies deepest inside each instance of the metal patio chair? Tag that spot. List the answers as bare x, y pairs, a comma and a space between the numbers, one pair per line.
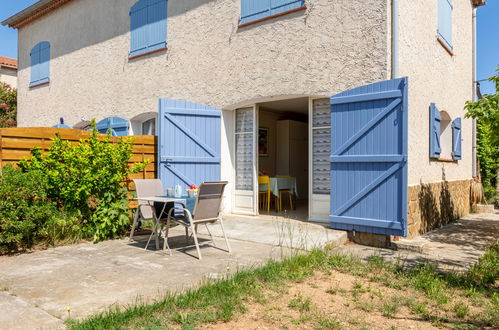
146, 210
206, 211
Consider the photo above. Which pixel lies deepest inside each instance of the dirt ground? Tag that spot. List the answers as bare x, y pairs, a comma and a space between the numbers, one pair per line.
338, 301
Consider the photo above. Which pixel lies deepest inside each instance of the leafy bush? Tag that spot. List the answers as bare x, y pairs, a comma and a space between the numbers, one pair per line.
87, 178
486, 112
8, 106
24, 208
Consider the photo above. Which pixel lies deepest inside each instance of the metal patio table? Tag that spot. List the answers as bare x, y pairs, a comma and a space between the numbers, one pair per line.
156, 218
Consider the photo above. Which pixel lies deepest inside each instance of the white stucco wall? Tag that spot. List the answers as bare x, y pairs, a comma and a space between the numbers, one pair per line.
436, 76
330, 47
8, 76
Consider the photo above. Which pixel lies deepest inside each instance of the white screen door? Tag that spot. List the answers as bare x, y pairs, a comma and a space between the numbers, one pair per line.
320, 151
246, 179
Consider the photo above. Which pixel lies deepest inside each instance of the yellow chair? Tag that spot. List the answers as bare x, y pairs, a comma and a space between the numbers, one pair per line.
264, 195
284, 191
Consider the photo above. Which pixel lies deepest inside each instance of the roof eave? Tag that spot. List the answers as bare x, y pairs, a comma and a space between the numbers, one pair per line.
478, 3
33, 12
8, 67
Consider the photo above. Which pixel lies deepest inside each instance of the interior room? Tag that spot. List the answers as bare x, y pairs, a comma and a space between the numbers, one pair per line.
283, 157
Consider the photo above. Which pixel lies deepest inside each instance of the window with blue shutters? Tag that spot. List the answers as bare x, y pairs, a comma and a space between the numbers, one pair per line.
444, 31
148, 28
254, 10
40, 64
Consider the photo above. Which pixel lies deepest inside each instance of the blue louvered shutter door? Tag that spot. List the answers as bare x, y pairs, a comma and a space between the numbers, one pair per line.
280, 6
445, 21
456, 139
189, 143
252, 10
103, 126
157, 13
44, 66
369, 159
118, 126
435, 119
139, 28
35, 65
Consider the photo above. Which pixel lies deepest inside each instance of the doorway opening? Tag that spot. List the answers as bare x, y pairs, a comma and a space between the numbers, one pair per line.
283, 157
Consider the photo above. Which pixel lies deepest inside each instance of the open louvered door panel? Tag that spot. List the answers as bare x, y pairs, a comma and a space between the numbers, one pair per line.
369, 158
189, 143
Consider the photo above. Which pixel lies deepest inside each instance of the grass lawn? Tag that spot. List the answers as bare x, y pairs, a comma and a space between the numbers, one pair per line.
323, 290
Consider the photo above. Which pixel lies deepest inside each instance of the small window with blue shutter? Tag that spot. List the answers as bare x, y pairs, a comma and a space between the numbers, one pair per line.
148, 27
114, 125
257, 10
40, 64
456, 139
444, 31
445, 135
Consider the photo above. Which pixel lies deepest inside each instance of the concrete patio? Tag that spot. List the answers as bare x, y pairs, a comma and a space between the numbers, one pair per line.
453, 247
37, 288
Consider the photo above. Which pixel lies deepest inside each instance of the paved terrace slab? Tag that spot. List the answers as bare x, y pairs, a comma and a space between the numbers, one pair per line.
36, 288
453, 247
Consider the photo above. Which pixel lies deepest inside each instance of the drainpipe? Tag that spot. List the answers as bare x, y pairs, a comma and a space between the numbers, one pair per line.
395, 39
474, 144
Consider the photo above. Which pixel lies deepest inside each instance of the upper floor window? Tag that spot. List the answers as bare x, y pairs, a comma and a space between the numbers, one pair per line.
444, 31
148, 27
40, 64
255, 10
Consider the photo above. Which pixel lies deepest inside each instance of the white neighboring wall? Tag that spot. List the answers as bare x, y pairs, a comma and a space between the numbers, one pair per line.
8, 76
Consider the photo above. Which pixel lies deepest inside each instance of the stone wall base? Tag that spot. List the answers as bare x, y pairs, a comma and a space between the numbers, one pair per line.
432, 205
370, 239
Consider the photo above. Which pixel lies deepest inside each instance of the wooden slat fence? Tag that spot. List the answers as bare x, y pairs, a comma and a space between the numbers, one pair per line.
16, 144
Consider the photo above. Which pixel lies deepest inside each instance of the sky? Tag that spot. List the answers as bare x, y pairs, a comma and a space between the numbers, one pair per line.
487, 37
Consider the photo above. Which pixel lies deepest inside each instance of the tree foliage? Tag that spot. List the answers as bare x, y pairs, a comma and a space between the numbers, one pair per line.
8, 106
486, 112
88, 178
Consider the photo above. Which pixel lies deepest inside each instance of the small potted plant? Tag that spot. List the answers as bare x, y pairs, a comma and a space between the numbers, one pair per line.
192, 191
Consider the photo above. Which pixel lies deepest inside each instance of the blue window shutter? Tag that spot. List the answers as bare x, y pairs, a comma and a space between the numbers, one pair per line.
253, 10
44, 66
456, 139
445, 21
280, 6
138, 29
40, 63
35, 65
148, 27
157, 13
435, 119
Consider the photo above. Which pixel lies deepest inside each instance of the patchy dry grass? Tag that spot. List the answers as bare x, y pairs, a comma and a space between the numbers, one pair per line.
322, 290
